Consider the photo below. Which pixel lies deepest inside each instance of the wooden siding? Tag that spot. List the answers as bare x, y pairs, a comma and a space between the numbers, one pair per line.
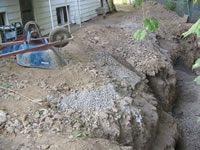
42, 11
87, 8
42, 15
12, 9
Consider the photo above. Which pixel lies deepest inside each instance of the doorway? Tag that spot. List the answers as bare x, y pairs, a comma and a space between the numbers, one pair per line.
27, 13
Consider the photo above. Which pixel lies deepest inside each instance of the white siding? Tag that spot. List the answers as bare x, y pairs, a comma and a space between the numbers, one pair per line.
12, 9
88, 9
42, 11
42, 15
60, 3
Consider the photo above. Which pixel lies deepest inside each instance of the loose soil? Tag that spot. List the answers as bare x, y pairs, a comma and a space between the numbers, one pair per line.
130, 87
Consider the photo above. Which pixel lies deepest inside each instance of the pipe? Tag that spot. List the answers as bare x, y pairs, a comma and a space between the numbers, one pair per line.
79, 11
68, 24
50, 8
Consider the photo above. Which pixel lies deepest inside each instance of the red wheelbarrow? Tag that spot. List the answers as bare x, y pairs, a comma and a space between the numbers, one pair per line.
36, 50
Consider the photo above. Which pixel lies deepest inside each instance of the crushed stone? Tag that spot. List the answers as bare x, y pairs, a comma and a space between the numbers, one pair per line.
93, 98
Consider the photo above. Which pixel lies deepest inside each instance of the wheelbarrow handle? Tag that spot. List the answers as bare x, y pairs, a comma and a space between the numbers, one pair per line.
36, 48
33, 41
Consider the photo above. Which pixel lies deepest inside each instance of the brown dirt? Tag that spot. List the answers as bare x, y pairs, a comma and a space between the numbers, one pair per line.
103, 52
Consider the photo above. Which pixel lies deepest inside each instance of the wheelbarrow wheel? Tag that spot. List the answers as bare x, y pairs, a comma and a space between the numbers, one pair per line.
59, 34
31, 26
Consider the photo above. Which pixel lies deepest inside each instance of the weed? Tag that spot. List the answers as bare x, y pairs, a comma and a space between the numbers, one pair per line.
171, 5
83, 134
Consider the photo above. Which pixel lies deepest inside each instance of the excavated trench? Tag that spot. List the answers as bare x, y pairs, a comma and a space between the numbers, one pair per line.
186, 108
183, 99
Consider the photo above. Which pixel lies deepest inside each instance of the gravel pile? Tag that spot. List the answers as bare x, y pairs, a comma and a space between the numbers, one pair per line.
93, 98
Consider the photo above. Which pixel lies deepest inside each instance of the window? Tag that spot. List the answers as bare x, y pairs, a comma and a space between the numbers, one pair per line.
2, 18
62, 16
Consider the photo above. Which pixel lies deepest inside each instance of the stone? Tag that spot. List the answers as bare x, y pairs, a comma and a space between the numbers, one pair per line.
45, 147
102, 63
17, 97
96, 39
16, 123
10, 130
49, 120
3, 117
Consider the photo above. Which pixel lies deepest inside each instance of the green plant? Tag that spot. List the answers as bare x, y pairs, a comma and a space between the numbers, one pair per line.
196, 65
195, 29
196, 1
136, 3
83, 134
171, 5
198, 119
148, 25
5, 85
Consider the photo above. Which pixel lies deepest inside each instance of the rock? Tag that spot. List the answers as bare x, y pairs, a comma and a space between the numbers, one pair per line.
77, 125
96, 39
3, 117
37, 114
16, 123
25, 120
43, 111
10, 130
57, 117
45, 147
15, 114
17, 97
49, 120
102, 63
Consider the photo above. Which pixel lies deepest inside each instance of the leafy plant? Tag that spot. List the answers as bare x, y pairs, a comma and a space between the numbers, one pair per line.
5, 85
136, 3
171, 5
196, 65
83, 134
195, 29
140, 34
196, 1
148, 24
198, 119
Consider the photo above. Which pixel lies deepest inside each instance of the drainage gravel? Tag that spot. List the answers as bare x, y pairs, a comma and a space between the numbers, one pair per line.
93, 98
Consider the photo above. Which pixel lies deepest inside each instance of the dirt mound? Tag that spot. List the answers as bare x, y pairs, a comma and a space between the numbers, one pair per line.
113, 87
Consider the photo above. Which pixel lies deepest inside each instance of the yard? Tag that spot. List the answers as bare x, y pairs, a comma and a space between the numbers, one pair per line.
115, 93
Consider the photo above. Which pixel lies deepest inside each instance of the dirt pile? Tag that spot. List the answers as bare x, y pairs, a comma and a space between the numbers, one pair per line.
113, 88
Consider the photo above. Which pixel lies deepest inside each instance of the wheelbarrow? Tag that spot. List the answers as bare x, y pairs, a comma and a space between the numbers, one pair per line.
39, 51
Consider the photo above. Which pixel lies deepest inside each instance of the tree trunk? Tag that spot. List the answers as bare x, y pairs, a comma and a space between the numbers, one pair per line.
111, 5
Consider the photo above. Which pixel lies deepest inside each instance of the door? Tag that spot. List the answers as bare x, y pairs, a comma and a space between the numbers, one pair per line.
26, 8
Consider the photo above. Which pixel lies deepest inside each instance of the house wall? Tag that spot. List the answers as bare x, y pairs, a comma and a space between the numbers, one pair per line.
87, 9
42, 15
42, 11
60, 3
12, 9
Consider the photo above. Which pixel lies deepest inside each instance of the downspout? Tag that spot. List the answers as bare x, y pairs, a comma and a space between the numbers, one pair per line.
68, 23
188, 7
79, 11
50, 8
